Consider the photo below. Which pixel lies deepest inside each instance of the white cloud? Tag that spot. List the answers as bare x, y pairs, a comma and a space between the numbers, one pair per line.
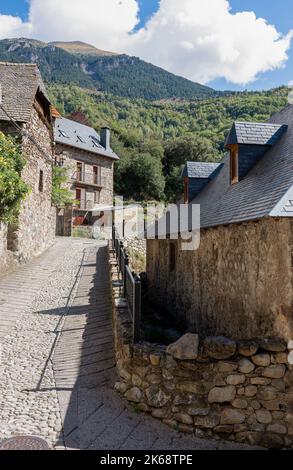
199, 40
103, 23
12, 26
204, 40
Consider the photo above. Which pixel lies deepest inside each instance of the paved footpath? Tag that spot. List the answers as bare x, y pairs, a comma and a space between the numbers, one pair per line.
57, 367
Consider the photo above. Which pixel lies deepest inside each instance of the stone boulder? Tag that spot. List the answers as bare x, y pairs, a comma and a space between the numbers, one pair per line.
276, 371
273, 345
247, 348
230, 416
134, 394
245, 366
261, 360
157, 397
222, 394
186, 348
219, 347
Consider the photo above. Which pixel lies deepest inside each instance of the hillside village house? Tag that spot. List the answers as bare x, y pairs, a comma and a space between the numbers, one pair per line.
239, 283
25, 102
90, 162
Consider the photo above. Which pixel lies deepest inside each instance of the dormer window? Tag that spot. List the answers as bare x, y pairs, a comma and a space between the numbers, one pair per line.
234, 164
196, 175
247, 143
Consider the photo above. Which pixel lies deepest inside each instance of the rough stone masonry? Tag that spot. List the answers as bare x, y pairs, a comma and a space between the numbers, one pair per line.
210, 387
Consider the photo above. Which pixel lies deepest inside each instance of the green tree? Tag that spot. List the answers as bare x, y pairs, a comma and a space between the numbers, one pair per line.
61, 195
140, 177
187, 129
12, 188
177, 153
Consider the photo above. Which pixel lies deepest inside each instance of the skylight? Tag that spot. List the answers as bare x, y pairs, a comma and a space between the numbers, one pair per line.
96, 142
81, 139
63, 134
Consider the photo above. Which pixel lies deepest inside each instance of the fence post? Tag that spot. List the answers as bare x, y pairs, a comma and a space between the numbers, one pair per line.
126, 263
120, 257
137, 310
113, 237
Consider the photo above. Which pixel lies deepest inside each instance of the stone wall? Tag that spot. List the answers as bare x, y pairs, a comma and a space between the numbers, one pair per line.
71, 156
35, 229
217, 387
6, 257
238, 283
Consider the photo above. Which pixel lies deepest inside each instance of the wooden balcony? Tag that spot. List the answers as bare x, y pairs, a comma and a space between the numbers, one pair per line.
87, 179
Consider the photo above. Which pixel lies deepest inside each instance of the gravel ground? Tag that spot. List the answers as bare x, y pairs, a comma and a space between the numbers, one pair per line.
28, 399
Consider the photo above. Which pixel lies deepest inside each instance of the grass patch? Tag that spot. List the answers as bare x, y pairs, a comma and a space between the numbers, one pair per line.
82, 232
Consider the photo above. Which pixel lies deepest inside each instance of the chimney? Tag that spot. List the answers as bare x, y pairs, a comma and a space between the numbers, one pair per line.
105, 138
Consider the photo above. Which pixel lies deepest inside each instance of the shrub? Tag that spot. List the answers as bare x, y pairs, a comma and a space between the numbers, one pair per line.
61, 195
12, 188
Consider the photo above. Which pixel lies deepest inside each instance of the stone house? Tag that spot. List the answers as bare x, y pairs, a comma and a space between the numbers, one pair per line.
26, 114
239, 283
90, 162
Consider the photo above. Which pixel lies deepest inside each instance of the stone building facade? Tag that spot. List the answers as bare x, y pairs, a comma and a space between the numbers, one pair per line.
25, 101
90, 166
239, 282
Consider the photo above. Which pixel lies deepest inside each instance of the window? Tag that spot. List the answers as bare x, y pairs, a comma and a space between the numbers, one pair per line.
97, 174
79, 171
234, 164
172, 257
97, 197
78, 196
59, 161
41, 181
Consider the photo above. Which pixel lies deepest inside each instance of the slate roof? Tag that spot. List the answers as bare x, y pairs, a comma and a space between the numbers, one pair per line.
254, 133
199, 170
19, 83
266, 190
74, 134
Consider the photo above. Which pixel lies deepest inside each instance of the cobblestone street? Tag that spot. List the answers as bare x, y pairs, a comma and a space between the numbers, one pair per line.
57, 359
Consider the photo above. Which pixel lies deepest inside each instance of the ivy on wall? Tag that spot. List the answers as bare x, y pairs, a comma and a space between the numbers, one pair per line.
12, 188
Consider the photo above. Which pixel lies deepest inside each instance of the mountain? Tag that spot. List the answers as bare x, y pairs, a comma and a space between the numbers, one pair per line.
153, 138
88, 67
78, 47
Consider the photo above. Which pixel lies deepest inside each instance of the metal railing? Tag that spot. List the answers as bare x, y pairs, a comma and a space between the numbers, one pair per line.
131, 283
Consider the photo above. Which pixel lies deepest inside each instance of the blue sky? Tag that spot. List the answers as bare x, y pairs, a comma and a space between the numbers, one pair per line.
276, 12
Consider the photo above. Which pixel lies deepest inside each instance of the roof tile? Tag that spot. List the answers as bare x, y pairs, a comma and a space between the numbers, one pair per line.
19, 84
